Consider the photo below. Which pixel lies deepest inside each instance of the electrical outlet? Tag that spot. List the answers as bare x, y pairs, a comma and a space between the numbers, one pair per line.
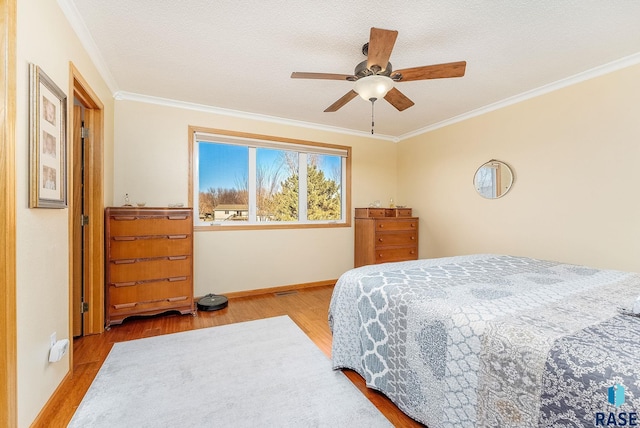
53, 339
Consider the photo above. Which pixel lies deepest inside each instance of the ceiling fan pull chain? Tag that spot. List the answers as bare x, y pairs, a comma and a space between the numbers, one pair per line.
372, 101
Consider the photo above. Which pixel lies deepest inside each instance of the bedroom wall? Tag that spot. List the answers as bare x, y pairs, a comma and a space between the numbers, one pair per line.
575, 153
45, 38
151, 165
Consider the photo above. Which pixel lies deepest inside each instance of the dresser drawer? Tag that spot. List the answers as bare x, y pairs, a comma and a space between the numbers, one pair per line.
399, 212
397, 224
121, 294
396, 254
128, 270
126, 247
403, 238
369, 212
139, 225
156, 305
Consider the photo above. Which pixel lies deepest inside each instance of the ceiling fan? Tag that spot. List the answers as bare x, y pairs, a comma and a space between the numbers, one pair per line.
374, 78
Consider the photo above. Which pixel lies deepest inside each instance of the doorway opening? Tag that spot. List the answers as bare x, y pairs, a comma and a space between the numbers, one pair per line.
86, 133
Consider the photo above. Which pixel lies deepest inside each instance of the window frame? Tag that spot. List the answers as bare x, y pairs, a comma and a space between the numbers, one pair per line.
266, 139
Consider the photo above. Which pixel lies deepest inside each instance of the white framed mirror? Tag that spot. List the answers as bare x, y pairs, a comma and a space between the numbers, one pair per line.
493, 179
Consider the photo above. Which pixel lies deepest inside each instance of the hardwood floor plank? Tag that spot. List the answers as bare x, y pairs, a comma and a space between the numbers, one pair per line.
308, 308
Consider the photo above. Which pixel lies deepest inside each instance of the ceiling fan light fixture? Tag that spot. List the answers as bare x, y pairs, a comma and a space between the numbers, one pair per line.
375, 86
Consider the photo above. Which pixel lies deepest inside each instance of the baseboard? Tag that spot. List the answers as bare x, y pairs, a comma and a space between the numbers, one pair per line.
48, 409
260, 291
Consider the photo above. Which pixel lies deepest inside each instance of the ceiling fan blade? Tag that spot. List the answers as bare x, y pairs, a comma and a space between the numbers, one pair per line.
398, 99
436, 71
342, 101
380, 46
326, 76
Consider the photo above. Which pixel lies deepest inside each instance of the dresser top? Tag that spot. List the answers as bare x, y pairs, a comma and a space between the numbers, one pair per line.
382, 212
131, 210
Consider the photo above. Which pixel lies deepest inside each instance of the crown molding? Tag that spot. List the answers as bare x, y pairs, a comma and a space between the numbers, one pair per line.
77, 23
563, 83
554, 86
131, 96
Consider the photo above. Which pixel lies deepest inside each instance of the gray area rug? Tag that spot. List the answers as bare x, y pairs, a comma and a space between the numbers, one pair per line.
264, 373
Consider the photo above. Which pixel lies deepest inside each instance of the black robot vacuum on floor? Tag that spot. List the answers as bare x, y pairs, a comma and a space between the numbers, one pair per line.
212, 302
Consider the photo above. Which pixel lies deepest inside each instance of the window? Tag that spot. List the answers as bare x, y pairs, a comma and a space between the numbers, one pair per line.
253, 181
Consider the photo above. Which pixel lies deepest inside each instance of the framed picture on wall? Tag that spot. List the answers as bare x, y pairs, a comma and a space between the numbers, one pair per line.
48, 142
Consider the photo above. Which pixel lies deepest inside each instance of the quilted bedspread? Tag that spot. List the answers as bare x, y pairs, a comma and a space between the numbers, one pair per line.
490, 340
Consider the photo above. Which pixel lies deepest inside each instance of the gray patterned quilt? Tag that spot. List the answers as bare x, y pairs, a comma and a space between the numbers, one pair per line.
491, 340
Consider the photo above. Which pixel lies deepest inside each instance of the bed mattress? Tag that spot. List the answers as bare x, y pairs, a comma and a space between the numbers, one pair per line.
491, 340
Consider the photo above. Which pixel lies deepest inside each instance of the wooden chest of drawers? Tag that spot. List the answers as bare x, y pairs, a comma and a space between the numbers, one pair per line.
149, 261
385, 235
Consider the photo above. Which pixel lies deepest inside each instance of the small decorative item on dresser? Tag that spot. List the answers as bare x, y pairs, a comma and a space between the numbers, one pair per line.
385, 235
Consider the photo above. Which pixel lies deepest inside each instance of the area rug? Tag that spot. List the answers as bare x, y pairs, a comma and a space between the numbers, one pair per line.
251, 374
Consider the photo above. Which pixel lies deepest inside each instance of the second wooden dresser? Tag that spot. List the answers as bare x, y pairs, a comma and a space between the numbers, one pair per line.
385, 235
149, 257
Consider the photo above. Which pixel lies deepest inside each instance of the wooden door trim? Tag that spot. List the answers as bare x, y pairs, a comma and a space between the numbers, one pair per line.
8, 323
94, 252
76, 210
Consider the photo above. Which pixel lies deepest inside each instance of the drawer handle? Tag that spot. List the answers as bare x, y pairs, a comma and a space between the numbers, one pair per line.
381, 226
124, 262
412, 252
176, 236
178, 217
177, 278
176, 299
380, 239
124, 238
172, 258
125, 305
380, 255
124, 284
124, 217
413, 238
413, 225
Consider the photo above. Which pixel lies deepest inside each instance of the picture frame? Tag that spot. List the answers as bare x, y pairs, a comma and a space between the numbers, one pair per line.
47, 142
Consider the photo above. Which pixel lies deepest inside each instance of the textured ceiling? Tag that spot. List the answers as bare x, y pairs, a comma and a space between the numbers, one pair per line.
239, 55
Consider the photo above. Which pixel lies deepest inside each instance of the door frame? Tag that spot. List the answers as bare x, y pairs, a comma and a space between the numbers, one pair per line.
8, 324
94, 205
77, 211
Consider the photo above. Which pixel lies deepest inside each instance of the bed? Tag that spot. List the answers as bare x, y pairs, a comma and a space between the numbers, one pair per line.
491, 340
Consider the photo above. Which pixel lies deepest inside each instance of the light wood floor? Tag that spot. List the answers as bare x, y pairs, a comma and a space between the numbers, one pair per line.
307, 307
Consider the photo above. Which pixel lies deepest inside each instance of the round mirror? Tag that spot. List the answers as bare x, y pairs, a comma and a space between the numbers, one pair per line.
493, 179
